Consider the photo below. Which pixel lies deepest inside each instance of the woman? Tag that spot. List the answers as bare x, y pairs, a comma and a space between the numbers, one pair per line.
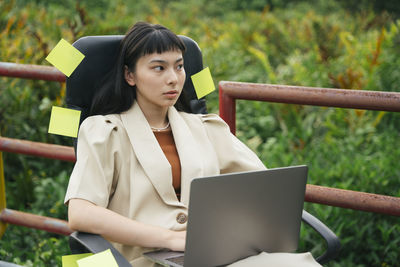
137, 154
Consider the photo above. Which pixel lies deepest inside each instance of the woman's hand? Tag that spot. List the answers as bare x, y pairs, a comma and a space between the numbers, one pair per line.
177, 241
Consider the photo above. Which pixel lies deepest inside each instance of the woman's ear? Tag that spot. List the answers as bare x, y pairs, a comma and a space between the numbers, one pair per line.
129, 77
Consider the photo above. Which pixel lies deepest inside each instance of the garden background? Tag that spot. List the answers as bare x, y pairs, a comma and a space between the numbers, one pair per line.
337, 44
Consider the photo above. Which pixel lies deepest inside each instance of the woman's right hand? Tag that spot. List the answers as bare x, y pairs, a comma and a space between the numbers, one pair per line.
177, 241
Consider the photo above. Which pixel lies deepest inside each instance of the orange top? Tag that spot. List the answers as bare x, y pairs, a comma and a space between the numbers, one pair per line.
167, 144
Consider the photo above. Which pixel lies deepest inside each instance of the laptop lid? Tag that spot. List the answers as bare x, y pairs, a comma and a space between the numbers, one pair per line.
233, 216
237, 215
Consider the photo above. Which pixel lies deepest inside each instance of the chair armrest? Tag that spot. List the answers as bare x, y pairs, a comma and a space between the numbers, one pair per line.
80, 242
332, 241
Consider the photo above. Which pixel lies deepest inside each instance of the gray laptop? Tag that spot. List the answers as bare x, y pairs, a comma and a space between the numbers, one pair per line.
233, 216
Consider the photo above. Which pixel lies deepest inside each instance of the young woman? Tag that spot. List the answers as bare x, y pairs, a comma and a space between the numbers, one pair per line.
137, 154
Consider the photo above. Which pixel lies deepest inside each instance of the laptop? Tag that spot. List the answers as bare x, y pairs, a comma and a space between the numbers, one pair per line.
237, 215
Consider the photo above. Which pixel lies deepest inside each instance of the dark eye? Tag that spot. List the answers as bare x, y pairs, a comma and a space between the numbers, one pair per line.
180, 67
158, 68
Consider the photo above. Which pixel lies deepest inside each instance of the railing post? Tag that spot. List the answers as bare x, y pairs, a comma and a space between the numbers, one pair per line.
227, 108
3, 205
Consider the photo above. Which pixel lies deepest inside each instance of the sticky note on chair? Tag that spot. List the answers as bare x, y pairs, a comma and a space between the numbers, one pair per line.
65, 57
71, 260
64, 121
102, 259
203, 82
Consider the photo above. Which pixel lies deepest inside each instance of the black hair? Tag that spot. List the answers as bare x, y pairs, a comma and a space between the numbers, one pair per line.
114, 94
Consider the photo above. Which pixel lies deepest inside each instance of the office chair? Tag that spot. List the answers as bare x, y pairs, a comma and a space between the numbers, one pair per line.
100, 53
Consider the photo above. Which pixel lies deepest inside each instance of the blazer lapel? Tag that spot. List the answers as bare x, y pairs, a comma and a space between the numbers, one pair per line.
149, 153
188, 150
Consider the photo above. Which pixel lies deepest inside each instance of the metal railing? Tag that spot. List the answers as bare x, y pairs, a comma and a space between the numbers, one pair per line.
343, 98
34, 72
37, 149
229, 92
10, 216
48, 224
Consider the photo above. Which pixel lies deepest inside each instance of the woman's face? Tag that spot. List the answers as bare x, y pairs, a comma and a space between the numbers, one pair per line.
159, 79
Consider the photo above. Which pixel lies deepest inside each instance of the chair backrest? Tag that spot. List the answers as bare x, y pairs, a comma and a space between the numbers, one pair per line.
100, 55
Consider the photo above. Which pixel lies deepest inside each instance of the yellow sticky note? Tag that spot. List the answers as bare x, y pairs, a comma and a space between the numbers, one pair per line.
203, 83
102, 259
64, 121
65, 57
70, 260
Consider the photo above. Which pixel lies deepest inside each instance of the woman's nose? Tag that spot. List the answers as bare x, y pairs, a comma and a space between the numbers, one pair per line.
172, 77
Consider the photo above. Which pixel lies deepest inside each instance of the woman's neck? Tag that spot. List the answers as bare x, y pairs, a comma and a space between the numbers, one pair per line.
156, 117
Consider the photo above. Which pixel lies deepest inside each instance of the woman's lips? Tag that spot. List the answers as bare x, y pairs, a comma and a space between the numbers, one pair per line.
171, 94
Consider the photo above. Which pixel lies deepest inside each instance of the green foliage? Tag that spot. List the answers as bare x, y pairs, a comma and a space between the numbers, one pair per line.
317, 43
30, 247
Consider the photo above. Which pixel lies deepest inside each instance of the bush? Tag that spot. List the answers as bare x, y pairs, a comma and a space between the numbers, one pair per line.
322, 44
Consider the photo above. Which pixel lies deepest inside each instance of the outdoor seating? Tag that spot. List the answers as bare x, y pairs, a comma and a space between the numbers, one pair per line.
100, 53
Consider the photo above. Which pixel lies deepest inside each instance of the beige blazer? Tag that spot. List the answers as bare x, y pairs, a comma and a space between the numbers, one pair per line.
121, 166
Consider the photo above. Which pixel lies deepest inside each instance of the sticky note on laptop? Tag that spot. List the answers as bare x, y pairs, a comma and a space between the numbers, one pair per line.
64, 121
203, 82
102, 259
70, 260
65, 57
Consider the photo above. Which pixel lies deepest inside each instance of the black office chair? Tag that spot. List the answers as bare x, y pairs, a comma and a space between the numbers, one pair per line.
100, 53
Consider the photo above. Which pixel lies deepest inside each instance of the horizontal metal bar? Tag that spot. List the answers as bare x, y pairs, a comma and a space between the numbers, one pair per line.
27, 71
48, 224
353, 200
328, 97
37, 149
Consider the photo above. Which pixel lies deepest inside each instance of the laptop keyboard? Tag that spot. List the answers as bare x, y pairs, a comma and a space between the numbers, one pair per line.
177, 260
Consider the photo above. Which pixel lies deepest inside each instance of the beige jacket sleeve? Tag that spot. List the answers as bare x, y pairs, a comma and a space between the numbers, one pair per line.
232, 154
94, 173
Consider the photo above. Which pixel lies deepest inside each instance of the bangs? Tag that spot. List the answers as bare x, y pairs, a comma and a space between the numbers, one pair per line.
161, 41
144, 39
